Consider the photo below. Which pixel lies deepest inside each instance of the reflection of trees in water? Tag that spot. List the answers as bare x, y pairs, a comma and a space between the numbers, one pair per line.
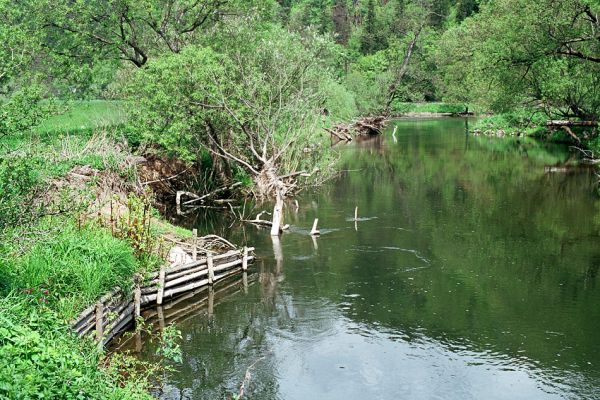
513, 250
483, 250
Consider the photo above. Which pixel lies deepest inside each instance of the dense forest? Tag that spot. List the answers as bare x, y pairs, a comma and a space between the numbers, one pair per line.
211, 93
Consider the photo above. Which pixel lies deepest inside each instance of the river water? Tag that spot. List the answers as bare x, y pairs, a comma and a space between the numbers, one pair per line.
472, 273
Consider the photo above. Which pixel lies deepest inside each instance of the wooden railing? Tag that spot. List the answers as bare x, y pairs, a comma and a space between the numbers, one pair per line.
116, 310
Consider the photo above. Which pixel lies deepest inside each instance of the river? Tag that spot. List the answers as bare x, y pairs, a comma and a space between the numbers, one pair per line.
472, 273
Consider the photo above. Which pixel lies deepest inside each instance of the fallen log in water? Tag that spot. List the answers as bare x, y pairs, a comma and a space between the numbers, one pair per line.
370, 126
561, 123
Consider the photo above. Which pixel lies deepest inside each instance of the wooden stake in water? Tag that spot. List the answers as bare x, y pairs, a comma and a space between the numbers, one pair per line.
277, 215
211, 272
314, 230
211, 301
245, 259
161, 286
137, 297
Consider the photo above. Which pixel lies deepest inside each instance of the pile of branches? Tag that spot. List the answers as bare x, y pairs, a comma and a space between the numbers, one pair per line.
366, 126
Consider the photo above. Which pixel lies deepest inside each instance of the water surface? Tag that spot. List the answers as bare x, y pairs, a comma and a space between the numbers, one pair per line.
472, 273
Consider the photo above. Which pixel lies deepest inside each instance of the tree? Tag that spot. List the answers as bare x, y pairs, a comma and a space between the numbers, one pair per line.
518, 52
253, 100
130, 30
369, 36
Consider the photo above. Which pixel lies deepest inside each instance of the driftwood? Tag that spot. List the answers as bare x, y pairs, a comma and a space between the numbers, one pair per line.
566, 125
561, 123
365, 126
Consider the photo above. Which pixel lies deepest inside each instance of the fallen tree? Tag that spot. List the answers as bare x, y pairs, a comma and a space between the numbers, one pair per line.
369, 126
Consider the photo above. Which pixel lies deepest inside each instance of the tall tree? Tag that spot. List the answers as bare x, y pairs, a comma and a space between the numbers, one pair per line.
516, 52
369, 36
131, 30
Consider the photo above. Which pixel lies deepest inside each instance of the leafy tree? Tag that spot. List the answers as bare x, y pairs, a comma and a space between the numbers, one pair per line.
252, 101
517, 52
130, 30
466, 8
369, 37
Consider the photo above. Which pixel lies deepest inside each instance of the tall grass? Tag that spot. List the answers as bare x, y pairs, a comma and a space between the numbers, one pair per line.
71, 269
85, 115
427, 107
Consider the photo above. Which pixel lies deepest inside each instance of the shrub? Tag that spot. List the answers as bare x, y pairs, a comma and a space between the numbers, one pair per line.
40, 358
19, 182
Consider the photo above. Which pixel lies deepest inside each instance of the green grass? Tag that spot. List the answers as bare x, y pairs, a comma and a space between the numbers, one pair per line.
428, 107
41, 359
525, 122
75, 266
85, 116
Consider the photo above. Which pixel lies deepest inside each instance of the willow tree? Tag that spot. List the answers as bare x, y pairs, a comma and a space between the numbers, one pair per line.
252, 101
522, 52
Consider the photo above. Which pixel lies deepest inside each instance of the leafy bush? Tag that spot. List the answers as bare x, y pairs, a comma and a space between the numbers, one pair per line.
40, 358
19, 180
23, 110
525, 120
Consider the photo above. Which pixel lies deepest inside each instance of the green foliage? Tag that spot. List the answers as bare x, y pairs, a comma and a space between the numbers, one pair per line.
516, 52
41, 358
135, 227
339, 101
169, 347
75, 266
19, 182
256, 90
23, 110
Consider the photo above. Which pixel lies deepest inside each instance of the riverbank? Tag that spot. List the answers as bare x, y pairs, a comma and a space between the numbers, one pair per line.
76, 221
536, 124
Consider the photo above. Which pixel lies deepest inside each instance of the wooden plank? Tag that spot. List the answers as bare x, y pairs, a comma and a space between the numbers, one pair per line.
99, 325
161, 286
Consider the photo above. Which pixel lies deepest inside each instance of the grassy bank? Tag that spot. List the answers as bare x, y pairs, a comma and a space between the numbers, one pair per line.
61, 248
84, 115
398, 108
532, 123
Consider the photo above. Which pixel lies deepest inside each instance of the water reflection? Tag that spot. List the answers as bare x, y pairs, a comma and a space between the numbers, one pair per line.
471, 273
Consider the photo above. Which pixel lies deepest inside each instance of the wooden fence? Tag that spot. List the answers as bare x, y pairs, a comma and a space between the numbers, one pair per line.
117, 309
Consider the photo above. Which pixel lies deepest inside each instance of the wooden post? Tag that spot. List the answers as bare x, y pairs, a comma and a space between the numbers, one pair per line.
161, 285
245, 281
161, 317
195, 244
99, 321
137, 297
277, 215
314, 230
245, 259
211, 301
211, 272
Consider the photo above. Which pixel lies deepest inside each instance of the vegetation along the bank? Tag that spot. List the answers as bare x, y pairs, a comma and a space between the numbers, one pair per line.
108, 108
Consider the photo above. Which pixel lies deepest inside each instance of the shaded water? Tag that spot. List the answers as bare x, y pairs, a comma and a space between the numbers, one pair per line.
471, 274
